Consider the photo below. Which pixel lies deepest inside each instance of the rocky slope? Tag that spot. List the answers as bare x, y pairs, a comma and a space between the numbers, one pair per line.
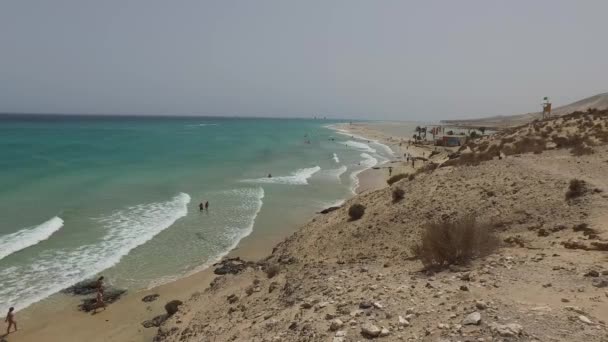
342, 280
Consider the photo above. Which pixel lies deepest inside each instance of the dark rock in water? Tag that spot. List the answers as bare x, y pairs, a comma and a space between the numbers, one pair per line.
155, 322
83, 288
150, 298
329, 210
232, 266
172, 307
109, 296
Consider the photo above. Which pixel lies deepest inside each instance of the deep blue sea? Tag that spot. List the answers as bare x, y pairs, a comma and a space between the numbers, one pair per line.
82, 195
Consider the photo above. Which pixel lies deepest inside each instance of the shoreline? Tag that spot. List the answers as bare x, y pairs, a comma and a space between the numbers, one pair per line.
122, 319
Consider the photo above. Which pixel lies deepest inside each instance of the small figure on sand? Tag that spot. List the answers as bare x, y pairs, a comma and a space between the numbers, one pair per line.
269, 175
10, 319
99, 303
206, 205
99, 283
201, 206
390, 171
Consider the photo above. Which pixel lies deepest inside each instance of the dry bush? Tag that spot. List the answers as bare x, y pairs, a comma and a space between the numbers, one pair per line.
577, 188
446, 243
411, 177
272, 270
356, 211
527, 144
398, 194
396, 178
581, 150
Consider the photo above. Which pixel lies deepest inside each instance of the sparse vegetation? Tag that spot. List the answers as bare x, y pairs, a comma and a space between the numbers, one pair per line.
581, 150
398, 194
356, 211
396, 178
411, 177
577, 188
272, 270
446, 243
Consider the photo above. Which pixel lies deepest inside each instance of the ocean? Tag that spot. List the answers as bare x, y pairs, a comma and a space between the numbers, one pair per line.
84, 195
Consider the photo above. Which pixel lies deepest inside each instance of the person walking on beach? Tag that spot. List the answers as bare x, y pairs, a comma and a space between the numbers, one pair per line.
200, 206
390, 171
99, 303
206, 205
10, 319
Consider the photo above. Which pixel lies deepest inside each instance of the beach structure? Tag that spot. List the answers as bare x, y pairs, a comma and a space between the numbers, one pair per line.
450, 140
546, 107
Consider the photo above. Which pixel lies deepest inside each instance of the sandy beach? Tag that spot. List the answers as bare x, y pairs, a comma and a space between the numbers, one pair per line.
57, 319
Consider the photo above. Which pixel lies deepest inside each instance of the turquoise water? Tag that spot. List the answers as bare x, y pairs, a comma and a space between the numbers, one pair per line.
84, 195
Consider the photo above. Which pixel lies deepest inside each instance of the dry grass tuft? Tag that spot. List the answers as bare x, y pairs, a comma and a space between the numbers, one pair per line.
356, 211
447, 243
577, 188
398, 194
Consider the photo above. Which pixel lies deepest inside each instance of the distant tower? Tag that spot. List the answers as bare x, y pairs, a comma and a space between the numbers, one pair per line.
546, 107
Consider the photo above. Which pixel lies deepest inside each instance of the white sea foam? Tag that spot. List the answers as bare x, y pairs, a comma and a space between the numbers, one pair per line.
336, 173
250, 202
359, 146
367, 163
54, 270
386, 148
336, 159
28, 237
202, 125
299, 177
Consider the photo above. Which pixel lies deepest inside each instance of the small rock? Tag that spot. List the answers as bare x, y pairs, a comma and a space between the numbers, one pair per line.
370, 330
592, 273
365, 305
600, 283
150, 298
506, 330
384, 332
464, 288
473, 318
172, 307
336, 324
584, 319
403, 322
481, 305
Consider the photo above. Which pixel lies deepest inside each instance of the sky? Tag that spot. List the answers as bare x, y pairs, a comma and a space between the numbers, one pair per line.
390, 60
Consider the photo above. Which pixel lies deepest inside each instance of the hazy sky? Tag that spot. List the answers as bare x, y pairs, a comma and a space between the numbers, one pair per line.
360, 59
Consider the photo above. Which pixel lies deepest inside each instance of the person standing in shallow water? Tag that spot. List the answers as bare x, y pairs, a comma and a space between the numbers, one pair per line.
206, 205
200, 206
10, 319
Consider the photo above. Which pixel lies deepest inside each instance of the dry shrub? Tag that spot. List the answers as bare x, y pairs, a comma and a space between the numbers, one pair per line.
272, 270
527, 144
396, 178
446, 243
581, 150
577, 188
398, 194
356, 211
411, 177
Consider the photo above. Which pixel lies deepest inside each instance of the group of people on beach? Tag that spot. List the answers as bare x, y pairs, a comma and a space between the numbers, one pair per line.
203, 206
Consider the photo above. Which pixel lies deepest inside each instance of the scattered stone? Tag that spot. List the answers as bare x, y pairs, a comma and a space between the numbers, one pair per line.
384, 332
464, 288
155, 322
506, 330
481, 305
403, 322
584, 319
600, 283
365, 305
150, 298
232, 266
370, 330
109, 297
473, 318
592, 273
336, 324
